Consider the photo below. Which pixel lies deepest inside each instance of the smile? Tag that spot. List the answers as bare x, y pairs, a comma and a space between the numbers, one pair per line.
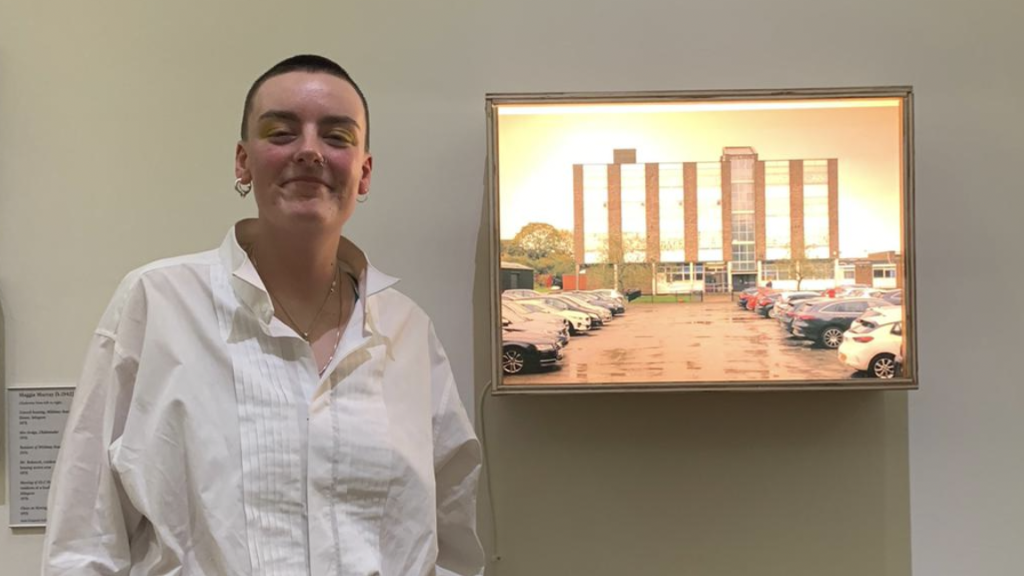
307, 181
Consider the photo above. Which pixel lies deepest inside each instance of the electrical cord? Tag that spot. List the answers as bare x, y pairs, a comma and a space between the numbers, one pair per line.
495, 557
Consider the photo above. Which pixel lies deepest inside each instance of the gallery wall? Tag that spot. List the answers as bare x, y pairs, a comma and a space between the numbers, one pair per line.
117, 130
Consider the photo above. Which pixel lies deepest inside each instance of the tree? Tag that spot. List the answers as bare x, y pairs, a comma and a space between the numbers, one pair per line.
537, 240
542, 247
802, 269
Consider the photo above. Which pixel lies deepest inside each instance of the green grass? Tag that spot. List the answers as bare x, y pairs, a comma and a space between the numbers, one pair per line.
666, 299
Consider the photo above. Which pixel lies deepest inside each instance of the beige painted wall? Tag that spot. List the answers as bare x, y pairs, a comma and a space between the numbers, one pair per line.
117, 129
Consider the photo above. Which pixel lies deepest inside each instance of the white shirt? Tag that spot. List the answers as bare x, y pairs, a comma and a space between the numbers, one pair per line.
203, 442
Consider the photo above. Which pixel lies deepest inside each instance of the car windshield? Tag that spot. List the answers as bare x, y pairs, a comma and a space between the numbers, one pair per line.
517, 307
511, 314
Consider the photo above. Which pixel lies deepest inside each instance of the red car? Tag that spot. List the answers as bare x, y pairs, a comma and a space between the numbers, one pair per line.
760, 297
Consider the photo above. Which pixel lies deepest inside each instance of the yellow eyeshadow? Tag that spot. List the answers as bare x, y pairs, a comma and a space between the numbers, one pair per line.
268, 128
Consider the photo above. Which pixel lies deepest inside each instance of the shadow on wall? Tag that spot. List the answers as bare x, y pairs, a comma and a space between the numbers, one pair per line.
3, 406
780, 483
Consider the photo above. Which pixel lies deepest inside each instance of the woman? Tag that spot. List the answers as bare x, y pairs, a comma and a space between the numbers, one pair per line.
272, 406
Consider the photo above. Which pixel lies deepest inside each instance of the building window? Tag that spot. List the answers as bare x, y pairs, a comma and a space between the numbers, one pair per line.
709, 210
816, 220
595, 213
672, 272
776, 207
634, 213
777, 271
884, 272
671, 221
681, 272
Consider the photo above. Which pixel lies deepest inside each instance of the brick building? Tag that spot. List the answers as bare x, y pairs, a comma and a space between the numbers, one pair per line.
711, 226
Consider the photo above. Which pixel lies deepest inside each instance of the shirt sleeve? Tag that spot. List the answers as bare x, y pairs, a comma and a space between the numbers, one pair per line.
457, 460
89, 518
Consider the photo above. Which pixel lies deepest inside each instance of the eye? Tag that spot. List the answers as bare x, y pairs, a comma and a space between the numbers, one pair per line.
280, 136
339, 138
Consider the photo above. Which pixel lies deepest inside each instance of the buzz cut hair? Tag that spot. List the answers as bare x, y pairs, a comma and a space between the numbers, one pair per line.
304, 63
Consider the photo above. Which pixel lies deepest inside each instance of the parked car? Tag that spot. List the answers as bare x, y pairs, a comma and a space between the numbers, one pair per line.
753, 299
521, 293
765, 303
528, 352
787, 317
845, 288
610, 294
741, 299
604, 313
888, 309
826, 321
517, 313
611, 305
788, 299
578, 321
873, 344
559, 304
860, 293
893, 296
514, 322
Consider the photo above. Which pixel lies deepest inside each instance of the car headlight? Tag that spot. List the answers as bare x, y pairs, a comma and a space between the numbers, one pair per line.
545, 347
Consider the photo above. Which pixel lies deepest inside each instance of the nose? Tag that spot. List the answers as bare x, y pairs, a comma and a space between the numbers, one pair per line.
309, 152
309, 156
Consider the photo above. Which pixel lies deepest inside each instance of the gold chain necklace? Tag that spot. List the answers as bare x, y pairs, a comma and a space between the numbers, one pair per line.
303, 333
337, 339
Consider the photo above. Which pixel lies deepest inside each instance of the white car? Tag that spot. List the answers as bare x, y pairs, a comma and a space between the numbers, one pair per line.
520, 293
578, 321
872, 344
533, 322
860, 293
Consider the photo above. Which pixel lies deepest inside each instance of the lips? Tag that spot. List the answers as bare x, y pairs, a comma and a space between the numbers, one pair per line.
307, 180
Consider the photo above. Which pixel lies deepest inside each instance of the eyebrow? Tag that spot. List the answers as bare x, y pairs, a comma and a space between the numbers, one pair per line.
293, 117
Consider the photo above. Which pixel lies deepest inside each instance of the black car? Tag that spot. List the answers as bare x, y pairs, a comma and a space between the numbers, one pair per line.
825, 321
786, 315
528, 352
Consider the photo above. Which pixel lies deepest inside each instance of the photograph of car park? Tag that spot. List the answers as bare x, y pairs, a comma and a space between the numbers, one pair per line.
738, 240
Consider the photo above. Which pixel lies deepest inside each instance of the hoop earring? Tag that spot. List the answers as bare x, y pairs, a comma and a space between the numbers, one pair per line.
362, 198
242, 189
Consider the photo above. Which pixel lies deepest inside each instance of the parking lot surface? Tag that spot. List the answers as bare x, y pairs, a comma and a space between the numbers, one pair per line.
689, 342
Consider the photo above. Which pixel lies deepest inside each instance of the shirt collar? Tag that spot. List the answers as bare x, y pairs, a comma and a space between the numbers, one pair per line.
252, 293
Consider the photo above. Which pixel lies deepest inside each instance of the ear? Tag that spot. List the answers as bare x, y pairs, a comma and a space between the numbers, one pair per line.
242, 163
364, 178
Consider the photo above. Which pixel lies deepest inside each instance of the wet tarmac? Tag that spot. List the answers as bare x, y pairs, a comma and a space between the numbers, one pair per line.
689, 342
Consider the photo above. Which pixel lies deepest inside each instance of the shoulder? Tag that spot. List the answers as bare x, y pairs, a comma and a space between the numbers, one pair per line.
394, 312
137, 286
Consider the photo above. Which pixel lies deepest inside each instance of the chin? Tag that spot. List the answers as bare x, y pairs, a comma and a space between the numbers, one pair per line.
307, 212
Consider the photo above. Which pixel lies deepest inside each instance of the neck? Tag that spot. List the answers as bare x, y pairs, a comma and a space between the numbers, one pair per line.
295, 266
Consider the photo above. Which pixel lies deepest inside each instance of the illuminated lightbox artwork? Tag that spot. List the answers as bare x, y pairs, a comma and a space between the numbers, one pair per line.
702, 240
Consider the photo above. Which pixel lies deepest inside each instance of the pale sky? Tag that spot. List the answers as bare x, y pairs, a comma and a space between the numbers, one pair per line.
537, 151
